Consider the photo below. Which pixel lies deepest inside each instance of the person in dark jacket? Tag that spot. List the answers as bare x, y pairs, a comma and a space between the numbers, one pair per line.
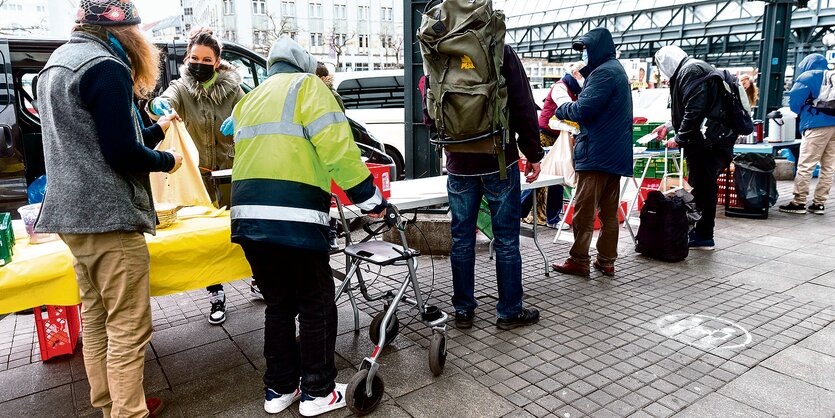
708, 152
99, 199
472, 176
602, 153
818, 144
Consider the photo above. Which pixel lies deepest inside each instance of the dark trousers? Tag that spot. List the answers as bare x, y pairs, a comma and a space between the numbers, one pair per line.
296, 282
704, 167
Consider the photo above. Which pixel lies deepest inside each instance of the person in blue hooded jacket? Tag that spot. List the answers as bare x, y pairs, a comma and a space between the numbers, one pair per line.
602, 152
818, 144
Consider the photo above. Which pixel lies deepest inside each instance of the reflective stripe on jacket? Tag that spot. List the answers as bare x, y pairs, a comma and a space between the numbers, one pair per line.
291, 138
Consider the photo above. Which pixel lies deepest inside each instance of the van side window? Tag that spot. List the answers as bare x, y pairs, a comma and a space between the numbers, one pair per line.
251, 73
27, 95
385, 92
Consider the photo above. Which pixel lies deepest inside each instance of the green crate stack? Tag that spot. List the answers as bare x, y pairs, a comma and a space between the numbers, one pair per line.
6, 238
639, 130
656, 167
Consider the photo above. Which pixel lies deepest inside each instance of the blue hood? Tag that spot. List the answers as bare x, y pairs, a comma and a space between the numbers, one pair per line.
600, 46
810, 63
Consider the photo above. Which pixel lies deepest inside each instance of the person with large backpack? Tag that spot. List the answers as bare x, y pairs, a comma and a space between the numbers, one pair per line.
808, 98
700, 93
602, 153
477, 103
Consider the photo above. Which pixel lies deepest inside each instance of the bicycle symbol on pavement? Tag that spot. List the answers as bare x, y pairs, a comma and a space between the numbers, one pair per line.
702, 331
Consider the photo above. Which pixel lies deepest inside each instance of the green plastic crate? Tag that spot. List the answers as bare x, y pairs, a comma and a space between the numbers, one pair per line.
6, 238
641, 129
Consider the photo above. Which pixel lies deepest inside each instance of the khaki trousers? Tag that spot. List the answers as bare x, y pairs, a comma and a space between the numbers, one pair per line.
112, 270
818, 146
596, 190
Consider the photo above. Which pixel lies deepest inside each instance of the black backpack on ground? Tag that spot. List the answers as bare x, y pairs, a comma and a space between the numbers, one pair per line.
734, 115
663, 233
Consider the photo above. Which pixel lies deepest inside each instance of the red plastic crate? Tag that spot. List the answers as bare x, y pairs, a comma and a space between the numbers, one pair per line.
569, 214
725, 183
58, 329
381, 175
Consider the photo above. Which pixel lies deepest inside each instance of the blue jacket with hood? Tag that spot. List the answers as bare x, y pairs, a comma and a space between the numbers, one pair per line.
808, 85
603, 109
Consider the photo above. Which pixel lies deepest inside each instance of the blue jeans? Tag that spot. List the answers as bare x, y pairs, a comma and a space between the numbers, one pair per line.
503, 198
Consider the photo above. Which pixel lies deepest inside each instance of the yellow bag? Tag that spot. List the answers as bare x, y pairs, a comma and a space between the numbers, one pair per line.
184, 187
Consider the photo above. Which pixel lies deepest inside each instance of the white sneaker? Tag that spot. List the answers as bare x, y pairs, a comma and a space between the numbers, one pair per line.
255, 291
310, 406
275, 402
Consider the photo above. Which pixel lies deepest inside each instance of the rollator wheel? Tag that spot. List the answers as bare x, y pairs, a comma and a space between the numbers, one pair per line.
391, 331
437, 354
357, 399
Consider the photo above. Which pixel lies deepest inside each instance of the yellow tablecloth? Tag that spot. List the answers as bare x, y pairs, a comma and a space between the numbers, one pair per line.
192, 254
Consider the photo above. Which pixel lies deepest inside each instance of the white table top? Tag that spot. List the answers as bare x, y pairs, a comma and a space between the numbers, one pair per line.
764, 147
430, 191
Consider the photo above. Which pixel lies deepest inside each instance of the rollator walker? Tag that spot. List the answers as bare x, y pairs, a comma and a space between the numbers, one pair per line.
365, 389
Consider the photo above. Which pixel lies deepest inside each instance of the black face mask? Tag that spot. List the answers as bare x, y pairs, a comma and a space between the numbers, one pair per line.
201, 72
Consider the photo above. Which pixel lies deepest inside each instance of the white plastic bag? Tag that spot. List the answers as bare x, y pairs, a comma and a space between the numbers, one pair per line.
184, 187
560, 160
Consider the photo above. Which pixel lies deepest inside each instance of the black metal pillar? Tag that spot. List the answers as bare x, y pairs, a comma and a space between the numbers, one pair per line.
775, 45
422, 160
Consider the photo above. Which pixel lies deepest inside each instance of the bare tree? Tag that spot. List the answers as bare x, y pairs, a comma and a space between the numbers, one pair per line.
392, 46
337, 42
278, 25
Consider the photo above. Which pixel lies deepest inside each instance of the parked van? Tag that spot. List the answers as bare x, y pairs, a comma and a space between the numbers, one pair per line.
21, 147
376, 98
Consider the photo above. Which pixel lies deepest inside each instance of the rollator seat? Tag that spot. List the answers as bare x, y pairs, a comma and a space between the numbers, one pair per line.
379, 252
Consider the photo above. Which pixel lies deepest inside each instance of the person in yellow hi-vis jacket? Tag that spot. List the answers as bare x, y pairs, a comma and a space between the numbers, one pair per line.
291, 138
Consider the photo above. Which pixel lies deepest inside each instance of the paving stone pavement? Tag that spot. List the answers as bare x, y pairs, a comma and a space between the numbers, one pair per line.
747, 330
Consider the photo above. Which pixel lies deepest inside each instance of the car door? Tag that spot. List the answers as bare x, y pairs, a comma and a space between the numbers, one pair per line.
12, 180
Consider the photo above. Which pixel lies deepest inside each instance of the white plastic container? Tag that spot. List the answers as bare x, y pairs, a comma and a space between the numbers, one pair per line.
782, 129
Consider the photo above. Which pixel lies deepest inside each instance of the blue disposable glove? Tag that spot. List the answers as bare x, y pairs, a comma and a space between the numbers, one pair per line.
228, 126
161, 106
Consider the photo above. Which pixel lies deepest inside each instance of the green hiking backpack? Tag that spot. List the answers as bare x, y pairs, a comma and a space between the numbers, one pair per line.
462, 43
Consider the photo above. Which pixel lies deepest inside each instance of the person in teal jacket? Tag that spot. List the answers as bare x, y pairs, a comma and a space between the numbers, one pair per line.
291, 138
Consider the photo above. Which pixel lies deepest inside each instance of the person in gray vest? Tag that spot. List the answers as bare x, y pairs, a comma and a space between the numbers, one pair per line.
99, 195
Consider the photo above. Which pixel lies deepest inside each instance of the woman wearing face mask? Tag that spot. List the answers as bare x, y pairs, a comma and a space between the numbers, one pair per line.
204, 97
550, 205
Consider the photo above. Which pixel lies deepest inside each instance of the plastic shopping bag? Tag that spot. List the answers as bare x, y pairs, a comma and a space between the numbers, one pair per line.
484, 223
184, 187
560, 160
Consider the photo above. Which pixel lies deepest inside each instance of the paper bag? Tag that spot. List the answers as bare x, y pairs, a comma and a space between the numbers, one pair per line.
184, 187
560, 160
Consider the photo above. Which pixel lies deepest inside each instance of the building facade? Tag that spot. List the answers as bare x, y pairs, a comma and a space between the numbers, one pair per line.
351, 35
38, 18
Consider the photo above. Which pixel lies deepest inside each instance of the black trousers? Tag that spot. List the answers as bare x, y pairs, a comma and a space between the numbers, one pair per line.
296, 282
704, 167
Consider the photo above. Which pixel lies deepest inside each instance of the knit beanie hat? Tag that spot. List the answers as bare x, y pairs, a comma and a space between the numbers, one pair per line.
107, 13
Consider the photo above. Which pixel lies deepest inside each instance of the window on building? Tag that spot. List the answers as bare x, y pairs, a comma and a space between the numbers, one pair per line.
386, 40
228, 7
259, 7
188, 27
340, 11
230, 35
340, 38
316, 39
363, 41
40, 8
315, 9
292, 35
288, 8
364, 12
361, 66
188, 11
386, 13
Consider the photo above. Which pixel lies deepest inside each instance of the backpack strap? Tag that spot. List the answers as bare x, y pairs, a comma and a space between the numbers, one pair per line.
697, 82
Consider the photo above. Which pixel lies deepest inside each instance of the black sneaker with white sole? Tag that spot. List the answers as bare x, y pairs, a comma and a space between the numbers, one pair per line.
816, 209
218, 312
792, 207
